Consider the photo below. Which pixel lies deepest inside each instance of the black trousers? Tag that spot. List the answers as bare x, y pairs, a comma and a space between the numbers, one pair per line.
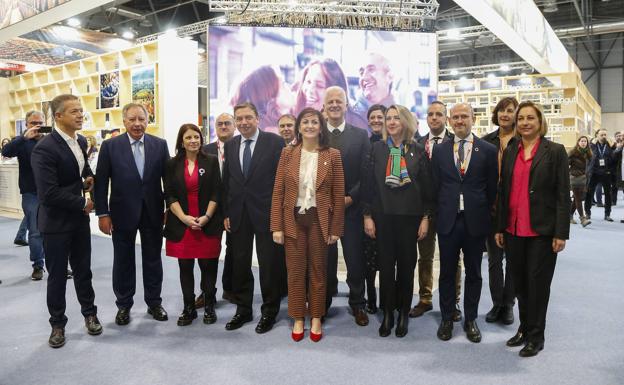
473, 247
272, 268
533, 265
353, 250
60, 248
207, 283
397, 237
605, 180
124, 266
226, 276
501, 285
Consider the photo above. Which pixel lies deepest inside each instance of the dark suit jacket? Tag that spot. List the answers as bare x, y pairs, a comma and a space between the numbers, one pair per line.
478, 187
329, 192
609, 157
413, 199
211, 148
128, 192
209, 190
255, 191
59, 184
22, 148
446, 137
549, 189
354, 152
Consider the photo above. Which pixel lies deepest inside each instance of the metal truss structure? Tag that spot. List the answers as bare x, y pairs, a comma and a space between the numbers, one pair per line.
379, 14
186, 30
483, 69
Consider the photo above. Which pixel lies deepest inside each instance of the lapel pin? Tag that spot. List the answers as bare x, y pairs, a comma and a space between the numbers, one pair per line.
476, 148
411, 154
201, 171
324, 163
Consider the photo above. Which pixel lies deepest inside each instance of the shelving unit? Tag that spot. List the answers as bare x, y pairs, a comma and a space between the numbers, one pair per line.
569, 107
175, 64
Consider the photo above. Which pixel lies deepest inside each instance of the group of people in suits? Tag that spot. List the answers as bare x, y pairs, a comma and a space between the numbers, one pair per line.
297, 199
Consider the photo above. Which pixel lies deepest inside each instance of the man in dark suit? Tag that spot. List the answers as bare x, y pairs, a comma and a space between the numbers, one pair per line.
354, 147
465, 175
248, 176
224, 127
438, 134
134, 166
599, 171
61, 172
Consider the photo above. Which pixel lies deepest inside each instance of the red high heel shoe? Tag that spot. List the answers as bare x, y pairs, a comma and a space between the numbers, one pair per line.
297, 336
315, 337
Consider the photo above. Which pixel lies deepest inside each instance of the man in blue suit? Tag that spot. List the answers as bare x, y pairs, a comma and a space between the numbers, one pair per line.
134, 166
465, 172
61, 173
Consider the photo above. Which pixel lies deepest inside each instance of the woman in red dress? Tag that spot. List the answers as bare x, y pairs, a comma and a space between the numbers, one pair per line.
193, 227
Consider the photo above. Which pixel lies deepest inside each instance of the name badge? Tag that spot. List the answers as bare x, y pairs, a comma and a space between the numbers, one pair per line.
601, 162
461, 201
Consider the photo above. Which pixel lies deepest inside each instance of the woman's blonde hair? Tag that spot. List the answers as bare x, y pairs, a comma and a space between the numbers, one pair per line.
407, 121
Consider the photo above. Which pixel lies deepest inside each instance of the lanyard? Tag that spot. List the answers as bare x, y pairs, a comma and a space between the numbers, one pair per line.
602, 152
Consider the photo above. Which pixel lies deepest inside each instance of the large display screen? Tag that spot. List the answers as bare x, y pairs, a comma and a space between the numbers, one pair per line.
283, 70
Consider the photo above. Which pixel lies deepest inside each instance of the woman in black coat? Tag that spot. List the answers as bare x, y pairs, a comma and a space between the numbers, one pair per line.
194, 226
533, 220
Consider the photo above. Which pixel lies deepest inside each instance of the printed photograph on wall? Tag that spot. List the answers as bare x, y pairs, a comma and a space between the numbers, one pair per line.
47, 113
143, 89
109, 90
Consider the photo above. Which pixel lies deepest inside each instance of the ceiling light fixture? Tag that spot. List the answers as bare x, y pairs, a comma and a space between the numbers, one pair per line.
73, 22
454, 72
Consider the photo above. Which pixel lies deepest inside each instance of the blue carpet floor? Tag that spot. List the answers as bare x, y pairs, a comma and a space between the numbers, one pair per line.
584, 336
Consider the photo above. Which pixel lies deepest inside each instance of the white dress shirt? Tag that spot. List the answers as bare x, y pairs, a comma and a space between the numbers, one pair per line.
340, 127
75, 149
308, 164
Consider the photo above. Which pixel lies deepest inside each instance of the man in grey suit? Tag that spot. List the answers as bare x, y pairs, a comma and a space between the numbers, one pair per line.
354, 148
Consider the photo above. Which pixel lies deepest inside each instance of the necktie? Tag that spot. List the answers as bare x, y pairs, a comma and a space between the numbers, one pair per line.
460, 156
336, 132
246, 157
138, 157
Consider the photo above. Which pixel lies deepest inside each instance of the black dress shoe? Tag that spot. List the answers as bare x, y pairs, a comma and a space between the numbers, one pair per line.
457, 314
507, 315
93, 325
494, 314
531, 349
210, 316
387, 324
265, 324
445, 331
472, 331
237, 321
188, 315
21, 242
402, 323
57, 338
517, 340
122, 317
158, 312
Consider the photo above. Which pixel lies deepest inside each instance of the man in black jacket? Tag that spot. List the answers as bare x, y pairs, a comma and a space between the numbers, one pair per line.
600, 170
22, 147
61, 172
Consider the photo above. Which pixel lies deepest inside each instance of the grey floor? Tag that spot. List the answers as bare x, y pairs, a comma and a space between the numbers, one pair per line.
584, 337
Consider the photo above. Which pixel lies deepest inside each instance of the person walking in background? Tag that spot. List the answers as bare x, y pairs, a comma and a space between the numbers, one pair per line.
578, 159
501, 285
600, 170
194, 225
533, 230
307, 215
398, 202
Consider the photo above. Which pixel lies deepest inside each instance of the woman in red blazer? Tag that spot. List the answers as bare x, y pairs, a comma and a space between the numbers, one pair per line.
307, 215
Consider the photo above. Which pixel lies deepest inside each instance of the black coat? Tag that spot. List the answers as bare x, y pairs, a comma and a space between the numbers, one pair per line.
549, 189
59, 184
209, 190
415, 198
254, 192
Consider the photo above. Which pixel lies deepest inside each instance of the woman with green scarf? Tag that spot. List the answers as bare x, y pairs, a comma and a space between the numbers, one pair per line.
578, 159
398, 200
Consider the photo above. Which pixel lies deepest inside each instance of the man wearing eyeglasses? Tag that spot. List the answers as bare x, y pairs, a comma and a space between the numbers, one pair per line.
22, 147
